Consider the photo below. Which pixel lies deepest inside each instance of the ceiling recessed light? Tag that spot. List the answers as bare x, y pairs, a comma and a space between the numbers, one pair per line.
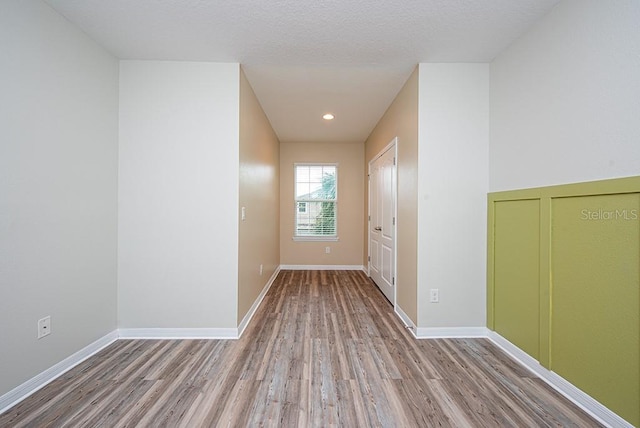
328, 116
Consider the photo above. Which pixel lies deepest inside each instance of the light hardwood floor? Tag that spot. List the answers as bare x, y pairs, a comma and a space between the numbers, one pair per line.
324, 349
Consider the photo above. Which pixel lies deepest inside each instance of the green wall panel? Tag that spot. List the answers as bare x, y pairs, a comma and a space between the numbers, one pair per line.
516, 273
595, 299
573, 252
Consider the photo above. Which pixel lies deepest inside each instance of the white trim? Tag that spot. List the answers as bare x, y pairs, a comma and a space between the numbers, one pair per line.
247, 318
320, 238
178, 333
390, 144
336, 164
409, 325
450, 332
317, 238
571, 392
323, 267
37, 382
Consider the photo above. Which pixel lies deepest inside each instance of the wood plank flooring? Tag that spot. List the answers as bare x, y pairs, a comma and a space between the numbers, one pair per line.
324, 349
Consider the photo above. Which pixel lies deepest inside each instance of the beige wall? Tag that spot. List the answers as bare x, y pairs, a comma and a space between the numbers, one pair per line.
259, 237
348, 249
401, 120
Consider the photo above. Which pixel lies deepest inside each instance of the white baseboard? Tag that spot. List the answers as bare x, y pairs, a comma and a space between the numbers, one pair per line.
247, 318
409, 325
37, 382
178, 333
323, 267
564, 387
450, 332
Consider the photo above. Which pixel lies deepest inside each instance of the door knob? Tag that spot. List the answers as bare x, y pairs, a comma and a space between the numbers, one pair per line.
379, 228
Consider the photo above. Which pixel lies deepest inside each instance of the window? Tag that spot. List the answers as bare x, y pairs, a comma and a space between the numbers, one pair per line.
316, 197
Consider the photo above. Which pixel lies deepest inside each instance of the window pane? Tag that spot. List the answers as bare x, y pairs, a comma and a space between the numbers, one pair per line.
315, 182
302, 174
329, 185
304, 225
302, 190
318, 220
329, 169
314, 190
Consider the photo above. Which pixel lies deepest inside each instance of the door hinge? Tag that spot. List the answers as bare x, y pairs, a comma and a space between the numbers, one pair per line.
369, 258
394, 221
393, 281
394, 160
369, 218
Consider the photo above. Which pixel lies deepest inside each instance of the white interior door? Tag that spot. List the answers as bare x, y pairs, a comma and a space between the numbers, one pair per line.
382, 221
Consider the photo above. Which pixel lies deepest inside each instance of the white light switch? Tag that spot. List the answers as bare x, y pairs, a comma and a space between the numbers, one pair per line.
244, 213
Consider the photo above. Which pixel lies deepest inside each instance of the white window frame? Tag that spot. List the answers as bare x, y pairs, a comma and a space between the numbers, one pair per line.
317, 238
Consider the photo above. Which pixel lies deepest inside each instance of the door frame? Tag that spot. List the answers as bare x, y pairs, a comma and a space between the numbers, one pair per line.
393, 144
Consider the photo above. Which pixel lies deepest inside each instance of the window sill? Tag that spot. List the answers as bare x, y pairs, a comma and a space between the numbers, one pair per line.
316, 238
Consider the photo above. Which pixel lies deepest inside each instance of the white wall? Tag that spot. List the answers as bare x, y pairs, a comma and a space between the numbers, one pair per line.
58, 187
452, 187
178, 195
565, 98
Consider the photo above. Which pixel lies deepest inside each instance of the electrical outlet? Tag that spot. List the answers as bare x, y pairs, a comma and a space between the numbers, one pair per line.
260, 269
434, 295
327, 250
44, 327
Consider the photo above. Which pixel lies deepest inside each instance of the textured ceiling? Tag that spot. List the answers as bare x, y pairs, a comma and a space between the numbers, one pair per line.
305, 57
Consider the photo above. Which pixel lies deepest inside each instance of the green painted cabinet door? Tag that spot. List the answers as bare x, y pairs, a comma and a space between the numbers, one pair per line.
516, 273
595, 300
